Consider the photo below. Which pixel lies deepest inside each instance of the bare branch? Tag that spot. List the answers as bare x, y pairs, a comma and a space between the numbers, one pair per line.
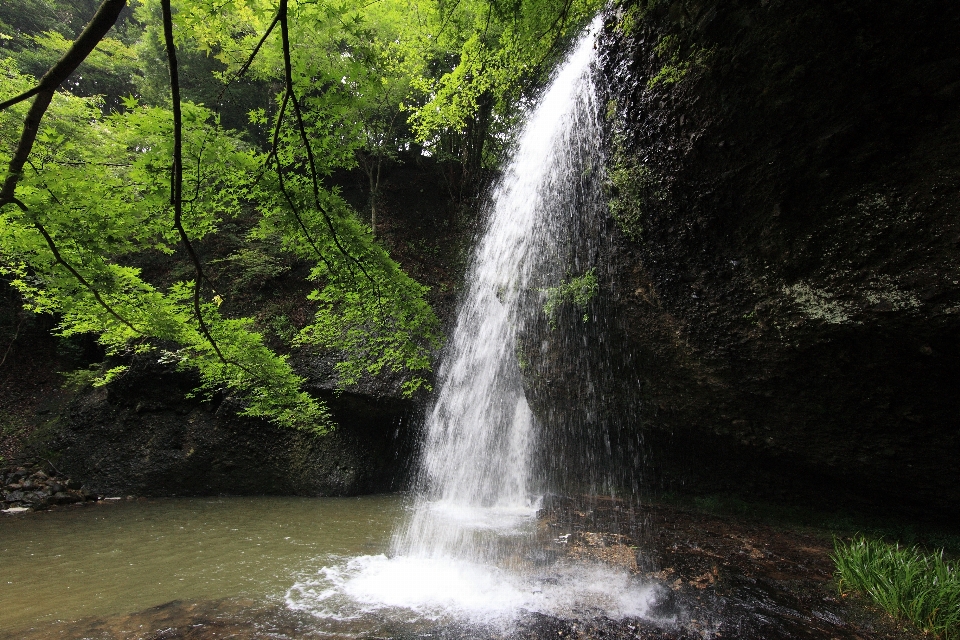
26, 95
256, 49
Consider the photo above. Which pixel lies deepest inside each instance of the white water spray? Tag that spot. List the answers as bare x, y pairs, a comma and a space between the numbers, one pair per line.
465, 549
476, 469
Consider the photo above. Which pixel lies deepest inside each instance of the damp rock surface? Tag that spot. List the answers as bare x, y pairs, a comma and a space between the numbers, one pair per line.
717, 576
782, 298
25, 488
141, 436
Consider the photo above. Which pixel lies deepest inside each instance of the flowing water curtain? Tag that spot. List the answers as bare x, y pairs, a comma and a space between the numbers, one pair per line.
470, 553
477, 479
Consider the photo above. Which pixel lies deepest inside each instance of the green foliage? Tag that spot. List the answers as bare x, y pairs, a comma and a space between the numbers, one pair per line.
201, 73
676, 66
249, 265
283, 328
632, 188
502, 54
907, 583
32, 17
353, 65
36, 33
522, 361
368, 79
111, 71
99, 186
611, 111
80, 378
577, 291
377, 318
92, 376
632, 16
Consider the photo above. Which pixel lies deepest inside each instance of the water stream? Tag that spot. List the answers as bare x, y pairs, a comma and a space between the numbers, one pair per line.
477, 471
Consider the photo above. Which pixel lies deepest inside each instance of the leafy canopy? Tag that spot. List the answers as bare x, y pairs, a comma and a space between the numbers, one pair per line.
316, 87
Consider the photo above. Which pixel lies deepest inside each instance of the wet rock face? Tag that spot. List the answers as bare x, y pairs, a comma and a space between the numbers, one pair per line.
140, 436
786, 182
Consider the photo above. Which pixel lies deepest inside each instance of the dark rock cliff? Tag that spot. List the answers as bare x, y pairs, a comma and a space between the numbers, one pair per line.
785, 179
140, 435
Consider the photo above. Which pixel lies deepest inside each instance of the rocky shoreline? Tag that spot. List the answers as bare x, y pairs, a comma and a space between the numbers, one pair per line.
30, 488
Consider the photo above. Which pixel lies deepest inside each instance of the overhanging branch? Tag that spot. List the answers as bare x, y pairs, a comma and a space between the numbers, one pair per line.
89, 38
176, 173
291, 95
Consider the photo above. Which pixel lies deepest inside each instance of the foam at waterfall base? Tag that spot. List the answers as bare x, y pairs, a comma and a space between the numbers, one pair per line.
408, 589
506, 517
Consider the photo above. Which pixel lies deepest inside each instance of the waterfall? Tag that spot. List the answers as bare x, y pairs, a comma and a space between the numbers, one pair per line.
476, 469
469, 548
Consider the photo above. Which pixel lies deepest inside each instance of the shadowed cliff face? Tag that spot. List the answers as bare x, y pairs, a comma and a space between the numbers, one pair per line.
785, 179
140, 436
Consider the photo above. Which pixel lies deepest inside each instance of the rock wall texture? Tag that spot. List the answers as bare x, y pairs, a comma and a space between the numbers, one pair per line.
141, 436
785, 182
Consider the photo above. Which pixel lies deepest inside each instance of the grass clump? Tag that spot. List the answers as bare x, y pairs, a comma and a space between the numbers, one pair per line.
921, 588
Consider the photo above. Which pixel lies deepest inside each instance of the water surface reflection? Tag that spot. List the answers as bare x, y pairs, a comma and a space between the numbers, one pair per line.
123, 556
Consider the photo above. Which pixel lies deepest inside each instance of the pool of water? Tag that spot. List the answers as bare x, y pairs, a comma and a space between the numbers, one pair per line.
296, 568
283, 568
118, 557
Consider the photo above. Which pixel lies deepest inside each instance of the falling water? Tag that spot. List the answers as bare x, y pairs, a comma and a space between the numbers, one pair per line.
476, 481
469, 546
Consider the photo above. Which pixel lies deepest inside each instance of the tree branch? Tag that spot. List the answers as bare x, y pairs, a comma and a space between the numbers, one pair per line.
315, 179
256, 49
283, 188
176, 173
92, 34
76, 274
12, 342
